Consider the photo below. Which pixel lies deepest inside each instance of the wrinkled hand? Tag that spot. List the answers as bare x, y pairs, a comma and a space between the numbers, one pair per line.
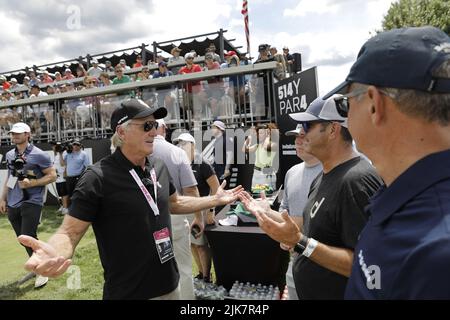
227, 196
254, 206
25, 183
44, 260
286, 232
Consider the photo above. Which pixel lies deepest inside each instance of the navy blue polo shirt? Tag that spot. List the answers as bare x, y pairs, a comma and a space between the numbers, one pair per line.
404, 250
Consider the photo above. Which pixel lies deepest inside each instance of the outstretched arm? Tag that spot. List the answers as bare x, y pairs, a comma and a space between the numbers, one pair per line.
182, 204
52, 259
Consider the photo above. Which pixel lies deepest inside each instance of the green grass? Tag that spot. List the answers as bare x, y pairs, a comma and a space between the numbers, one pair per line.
13, 257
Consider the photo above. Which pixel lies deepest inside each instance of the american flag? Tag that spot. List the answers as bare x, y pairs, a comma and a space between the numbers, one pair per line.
247, 33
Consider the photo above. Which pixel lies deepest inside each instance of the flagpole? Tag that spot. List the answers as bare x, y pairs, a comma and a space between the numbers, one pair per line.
247, 32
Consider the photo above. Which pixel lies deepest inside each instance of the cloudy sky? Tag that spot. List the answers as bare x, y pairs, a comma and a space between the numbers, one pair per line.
328, 33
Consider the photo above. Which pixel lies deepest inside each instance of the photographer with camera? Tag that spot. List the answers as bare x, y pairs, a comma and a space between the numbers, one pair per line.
29, 170
61, 187
76, 161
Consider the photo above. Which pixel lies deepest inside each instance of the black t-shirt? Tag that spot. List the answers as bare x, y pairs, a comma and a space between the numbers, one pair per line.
202, 172
123, 223
334, 215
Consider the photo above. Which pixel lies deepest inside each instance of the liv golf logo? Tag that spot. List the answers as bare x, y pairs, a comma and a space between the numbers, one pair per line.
372, 273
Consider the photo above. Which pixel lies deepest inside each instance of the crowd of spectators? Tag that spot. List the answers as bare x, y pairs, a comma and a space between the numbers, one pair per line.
100, 75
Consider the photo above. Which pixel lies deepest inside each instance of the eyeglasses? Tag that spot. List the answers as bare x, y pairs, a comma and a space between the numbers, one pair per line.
308, 125
148, 125
342, 103
119, 71
190, 58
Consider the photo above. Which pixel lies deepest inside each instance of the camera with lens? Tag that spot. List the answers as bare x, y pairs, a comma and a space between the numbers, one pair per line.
17, 165
60, 147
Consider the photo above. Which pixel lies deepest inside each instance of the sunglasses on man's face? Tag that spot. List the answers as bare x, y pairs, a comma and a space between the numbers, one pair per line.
343, 104
308, 125
148, 125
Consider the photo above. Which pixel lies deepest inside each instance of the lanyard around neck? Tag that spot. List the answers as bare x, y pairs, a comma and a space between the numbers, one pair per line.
144, 190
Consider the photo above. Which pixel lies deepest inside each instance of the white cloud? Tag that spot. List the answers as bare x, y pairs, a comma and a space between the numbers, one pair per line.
305, 7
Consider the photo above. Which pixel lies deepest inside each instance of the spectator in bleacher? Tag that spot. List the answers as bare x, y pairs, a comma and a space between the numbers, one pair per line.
35, 91
58, 76
162, 71
289, 59
46, 78
123, 63
108, 66
95, 70
89, 82
176, 59
264, 54
62, 88
280, 71
190, 66
214, 86
193, 88
81, 71
14, 84
70, 87
33, 79
104, 80
5, 84
7, 96
18, 95
120, 77
144, 74
210, 62
68, 74
26, 81
237, 82
51, 90
212, 50
138, 63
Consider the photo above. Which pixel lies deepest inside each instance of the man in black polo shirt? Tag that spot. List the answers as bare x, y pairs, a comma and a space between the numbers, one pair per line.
334, 214
127, 199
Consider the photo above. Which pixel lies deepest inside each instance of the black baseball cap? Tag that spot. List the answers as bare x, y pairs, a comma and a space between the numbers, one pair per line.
401, 58
135, 109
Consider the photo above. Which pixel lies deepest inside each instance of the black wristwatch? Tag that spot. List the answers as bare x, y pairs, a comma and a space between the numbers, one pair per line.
301, 245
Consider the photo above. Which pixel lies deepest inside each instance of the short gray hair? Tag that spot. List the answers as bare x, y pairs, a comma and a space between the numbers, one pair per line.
116, 140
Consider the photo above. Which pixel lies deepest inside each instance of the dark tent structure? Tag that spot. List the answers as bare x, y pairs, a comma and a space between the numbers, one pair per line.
199, 43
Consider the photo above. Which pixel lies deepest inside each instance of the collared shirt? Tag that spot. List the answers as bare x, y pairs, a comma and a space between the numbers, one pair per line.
76, 162
36, 161
404, 250
124, 223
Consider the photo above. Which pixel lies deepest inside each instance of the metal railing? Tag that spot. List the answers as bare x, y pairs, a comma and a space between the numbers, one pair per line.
238, 96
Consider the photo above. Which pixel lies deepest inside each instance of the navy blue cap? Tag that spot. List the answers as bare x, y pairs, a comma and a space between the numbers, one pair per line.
401, 58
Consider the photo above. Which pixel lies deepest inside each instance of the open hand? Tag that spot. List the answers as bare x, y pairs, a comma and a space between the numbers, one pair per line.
44, 260
227, 196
